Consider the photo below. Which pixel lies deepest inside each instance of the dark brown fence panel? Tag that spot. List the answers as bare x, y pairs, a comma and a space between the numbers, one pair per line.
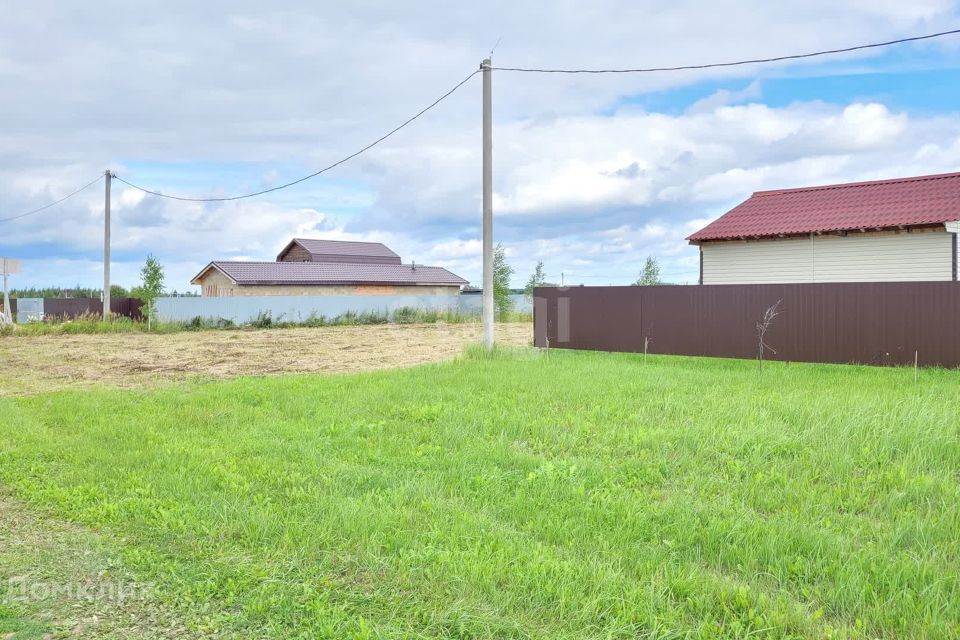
127, 307
73, 307
868, 323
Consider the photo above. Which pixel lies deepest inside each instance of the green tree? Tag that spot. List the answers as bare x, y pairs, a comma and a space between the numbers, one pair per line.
537, 279
650, 274
152, 279
501, 282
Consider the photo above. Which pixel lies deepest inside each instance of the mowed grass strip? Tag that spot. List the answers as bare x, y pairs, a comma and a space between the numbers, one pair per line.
559, 495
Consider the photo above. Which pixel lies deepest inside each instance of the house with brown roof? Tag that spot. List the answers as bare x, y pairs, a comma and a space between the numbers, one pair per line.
327, 267
884, 230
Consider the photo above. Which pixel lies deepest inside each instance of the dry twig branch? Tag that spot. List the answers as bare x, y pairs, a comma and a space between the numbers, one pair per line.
768, 317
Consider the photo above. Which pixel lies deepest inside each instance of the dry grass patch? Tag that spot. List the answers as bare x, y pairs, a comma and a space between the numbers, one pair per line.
38, 364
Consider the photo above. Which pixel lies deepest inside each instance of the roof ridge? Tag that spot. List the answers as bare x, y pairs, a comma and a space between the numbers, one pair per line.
864, 183
351, 241
335, 263
249, 262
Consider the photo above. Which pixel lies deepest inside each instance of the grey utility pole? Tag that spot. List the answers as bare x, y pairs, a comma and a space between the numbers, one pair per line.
487, 207
9, 266
7, 313
106, 245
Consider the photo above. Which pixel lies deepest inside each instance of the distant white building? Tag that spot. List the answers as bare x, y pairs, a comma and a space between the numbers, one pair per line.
886, 230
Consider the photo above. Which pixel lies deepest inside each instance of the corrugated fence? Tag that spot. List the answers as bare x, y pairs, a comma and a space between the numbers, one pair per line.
35, 309
73, 307
884, 323
243, 309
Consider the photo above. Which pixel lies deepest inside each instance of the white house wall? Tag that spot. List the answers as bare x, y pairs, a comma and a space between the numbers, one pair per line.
864, 257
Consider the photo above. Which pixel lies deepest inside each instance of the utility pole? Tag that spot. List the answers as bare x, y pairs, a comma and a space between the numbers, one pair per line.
9, 266
7, 313
487, 206
106, 245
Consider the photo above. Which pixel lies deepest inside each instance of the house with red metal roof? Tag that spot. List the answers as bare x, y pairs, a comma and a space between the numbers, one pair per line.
884, 230
327, 267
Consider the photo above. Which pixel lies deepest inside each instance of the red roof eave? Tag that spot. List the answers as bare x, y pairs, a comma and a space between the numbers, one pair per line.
697, 238
921, 201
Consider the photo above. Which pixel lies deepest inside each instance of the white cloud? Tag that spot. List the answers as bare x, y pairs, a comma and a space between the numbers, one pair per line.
722, 97
457, 249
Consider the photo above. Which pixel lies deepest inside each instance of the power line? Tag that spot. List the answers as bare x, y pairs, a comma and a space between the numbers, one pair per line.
443, 97
315, 173
738, 62
47, 206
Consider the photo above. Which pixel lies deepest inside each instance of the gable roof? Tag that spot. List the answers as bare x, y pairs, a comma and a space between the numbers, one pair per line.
330, 273
344, 251
879, 204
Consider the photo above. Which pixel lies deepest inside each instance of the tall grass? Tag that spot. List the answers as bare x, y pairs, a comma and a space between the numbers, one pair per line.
93, 324
83, 324
561, 495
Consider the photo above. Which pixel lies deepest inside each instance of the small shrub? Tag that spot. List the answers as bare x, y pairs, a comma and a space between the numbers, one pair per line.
314, 320
405, 315
373, 317
197, 323
264, 320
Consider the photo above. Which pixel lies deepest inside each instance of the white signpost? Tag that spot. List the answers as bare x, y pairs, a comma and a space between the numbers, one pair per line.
9, 267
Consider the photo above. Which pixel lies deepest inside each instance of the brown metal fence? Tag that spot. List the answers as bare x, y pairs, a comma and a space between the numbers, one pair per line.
73, 307
884, 323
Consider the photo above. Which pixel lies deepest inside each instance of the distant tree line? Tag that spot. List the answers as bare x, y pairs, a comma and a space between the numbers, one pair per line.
116, 291
150, 288
78, 291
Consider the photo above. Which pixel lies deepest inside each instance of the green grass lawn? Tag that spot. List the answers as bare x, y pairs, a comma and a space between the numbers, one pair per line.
568, 495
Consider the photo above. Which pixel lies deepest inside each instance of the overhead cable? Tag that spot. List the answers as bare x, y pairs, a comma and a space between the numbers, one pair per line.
52, 204
406, 122
713, 65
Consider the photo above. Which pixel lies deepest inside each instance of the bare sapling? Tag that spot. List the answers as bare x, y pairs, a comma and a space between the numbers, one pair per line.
762, 327
647, 341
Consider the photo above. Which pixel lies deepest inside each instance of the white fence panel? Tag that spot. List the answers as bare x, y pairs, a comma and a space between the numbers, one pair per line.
29, 310
244, 309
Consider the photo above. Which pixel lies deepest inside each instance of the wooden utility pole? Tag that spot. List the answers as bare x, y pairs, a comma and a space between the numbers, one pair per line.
487, 206
106, 245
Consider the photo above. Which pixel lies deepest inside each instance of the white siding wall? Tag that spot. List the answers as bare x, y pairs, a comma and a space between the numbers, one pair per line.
854, 258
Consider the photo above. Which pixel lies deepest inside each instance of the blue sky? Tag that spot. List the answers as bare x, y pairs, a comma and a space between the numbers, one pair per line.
592, 173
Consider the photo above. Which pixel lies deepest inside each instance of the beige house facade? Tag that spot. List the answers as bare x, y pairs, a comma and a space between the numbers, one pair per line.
880, 231
878, 256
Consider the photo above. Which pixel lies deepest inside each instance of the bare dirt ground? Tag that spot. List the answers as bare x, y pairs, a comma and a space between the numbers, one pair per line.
37, 364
